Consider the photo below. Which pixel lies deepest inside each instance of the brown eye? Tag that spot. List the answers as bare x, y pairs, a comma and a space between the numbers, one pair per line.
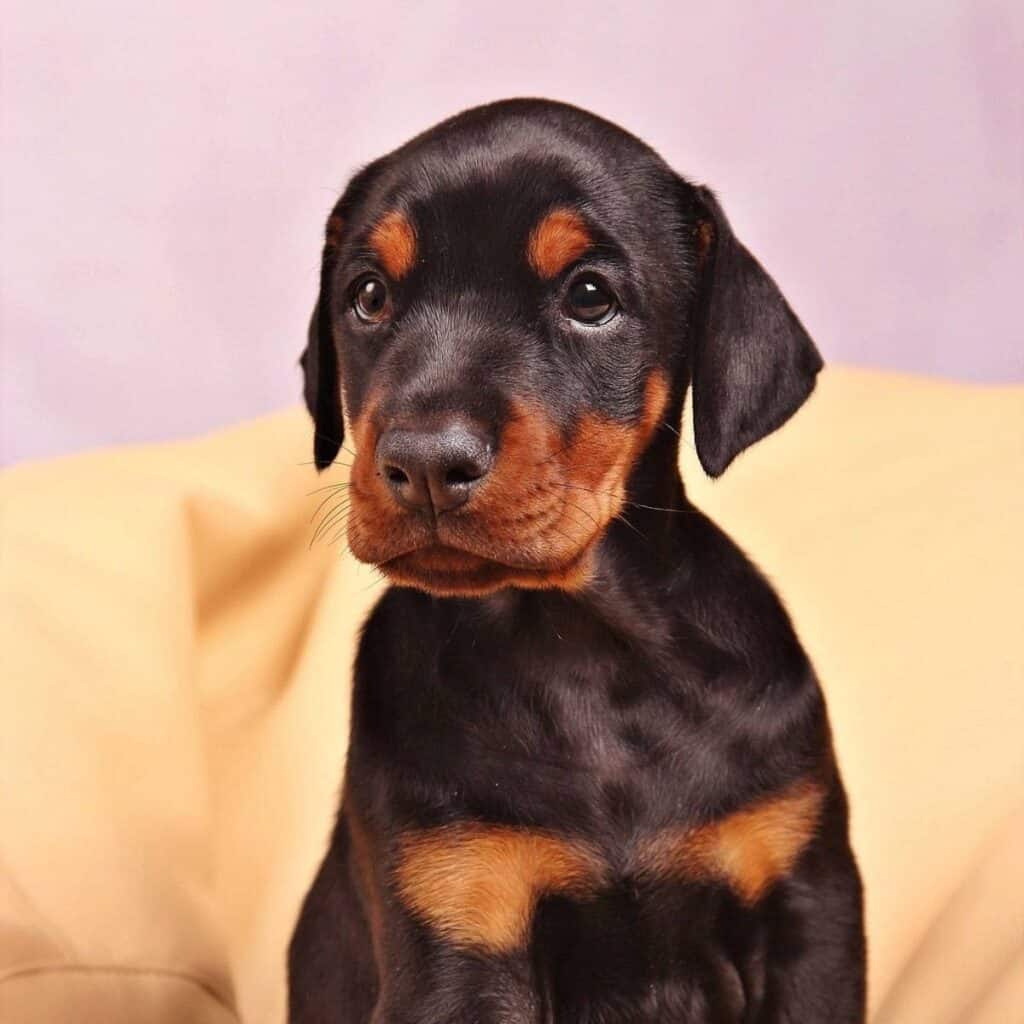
590, 302
370, 300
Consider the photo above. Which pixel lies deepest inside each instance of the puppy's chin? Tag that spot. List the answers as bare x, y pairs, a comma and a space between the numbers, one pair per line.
450, 572
454, 560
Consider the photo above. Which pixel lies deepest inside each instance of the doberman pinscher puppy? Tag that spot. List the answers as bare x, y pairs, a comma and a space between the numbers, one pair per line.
590, 776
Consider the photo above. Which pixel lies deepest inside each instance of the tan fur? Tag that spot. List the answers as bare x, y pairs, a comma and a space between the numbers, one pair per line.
534, 522
705, 232
333, 234
472, 576
749, 850
559, 239
394, 242
478, 885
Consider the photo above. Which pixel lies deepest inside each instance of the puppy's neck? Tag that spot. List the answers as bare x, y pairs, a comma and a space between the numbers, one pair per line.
638, 561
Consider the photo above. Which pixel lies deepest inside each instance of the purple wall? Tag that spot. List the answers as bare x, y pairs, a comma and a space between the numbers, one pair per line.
167, 169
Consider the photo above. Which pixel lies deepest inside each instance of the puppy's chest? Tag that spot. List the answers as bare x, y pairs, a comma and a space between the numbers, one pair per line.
479, 884
581, 794
594, 748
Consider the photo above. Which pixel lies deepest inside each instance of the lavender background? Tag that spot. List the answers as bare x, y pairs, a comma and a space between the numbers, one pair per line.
167, 168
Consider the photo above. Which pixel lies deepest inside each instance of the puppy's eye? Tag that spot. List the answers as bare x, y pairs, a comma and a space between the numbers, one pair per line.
370, 299
589, 301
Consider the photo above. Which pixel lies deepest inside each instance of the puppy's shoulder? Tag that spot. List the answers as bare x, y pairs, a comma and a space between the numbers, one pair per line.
722, 592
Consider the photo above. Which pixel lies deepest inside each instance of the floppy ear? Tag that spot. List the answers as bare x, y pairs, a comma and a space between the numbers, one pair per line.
753, 364
322, 385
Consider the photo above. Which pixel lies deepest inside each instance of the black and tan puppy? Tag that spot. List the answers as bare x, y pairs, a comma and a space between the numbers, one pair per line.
590, 776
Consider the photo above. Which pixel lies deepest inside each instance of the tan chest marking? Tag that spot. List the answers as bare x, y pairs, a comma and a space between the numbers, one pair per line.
478, 885
748, 850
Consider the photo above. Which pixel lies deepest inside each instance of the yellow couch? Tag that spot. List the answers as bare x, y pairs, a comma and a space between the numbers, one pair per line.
173, 709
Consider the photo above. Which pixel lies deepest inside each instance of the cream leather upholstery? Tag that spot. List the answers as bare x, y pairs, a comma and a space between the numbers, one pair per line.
175, 668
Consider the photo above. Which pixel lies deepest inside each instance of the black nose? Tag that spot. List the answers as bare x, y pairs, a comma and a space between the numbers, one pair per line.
433, 470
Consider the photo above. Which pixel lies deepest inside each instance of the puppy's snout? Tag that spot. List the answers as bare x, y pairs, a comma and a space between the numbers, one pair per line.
434, 471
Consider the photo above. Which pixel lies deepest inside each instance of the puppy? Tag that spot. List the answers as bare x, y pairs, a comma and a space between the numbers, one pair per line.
590, 776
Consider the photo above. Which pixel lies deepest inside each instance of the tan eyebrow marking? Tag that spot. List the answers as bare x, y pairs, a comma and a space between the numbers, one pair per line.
749, 849
478, 885
333, 232
559, 238
394, 242
705, 233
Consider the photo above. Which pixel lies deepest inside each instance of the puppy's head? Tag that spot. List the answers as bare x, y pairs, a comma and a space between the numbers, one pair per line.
510, 306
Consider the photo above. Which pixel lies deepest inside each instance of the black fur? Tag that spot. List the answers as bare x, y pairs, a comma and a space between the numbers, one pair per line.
671, 690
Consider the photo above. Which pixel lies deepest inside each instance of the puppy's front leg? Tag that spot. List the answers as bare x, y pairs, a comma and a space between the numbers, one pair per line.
332, 977
455, 911
815, 936
449, 986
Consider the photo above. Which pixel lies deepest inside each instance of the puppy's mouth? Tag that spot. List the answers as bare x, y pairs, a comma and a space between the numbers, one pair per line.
540, 535
453, 572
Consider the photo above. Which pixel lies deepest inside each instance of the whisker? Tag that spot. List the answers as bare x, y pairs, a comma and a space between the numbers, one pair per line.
344, 503
337, 464
330, 497
580, 508
621, 517
381, 578
334, 440
328, 487
626, 501
329, 520
573, 541
659, 508
586, 490
337, 535
342, 528
560, 451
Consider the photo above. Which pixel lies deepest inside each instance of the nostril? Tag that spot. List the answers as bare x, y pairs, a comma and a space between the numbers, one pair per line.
462, 475
395, 475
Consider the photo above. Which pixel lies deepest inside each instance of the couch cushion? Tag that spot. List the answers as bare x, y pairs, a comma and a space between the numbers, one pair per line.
174, 707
